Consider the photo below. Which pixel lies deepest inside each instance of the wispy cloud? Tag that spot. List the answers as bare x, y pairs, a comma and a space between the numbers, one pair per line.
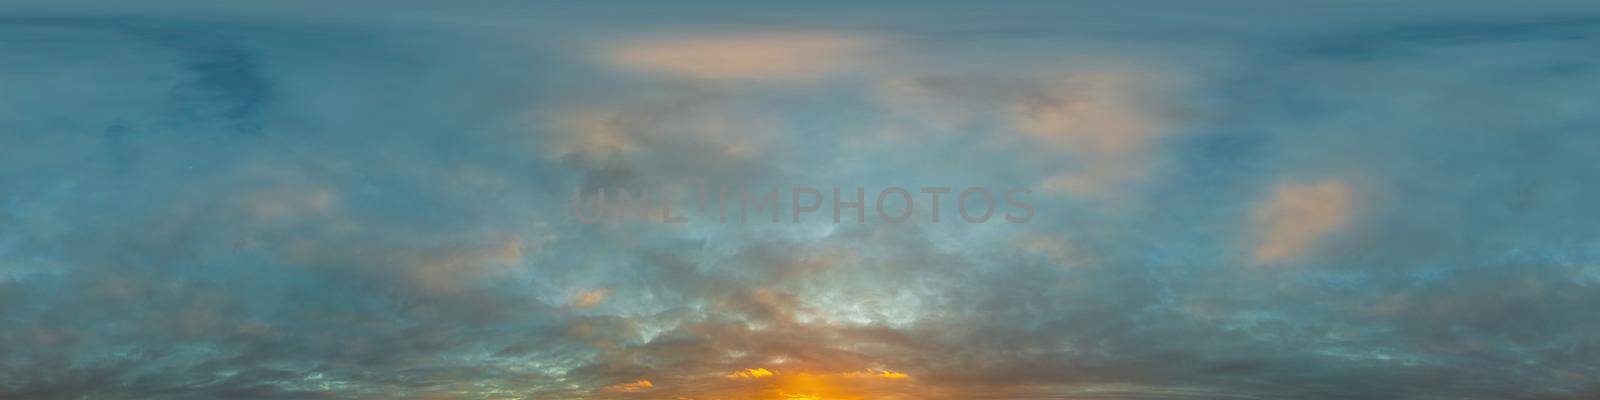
758, 56
1295, 216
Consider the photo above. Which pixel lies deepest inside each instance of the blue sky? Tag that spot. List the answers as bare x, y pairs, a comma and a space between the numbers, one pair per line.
365, 200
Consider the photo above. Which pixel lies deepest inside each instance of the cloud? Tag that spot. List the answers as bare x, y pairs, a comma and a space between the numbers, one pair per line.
750, 373
1097, 112
599, 134
743, 56
339, 209
590, 298
1092, 129
1295, 216
879, 374
1106, 118
630, 387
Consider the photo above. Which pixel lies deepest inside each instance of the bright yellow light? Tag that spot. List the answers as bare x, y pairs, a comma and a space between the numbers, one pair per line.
748, 373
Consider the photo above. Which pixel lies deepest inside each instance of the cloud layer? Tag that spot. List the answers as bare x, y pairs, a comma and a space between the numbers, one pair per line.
1307, 202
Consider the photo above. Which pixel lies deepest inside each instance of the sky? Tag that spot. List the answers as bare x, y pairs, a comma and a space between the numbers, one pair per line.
374, 200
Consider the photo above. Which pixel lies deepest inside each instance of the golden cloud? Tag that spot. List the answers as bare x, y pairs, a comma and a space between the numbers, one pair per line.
636, 386
879, 374
839, 386
749, 373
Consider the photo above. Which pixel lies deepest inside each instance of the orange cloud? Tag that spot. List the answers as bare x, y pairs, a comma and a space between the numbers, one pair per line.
1093, 111
1101, 118
868, 384
636, 386
1296, 216
881, 374
770, 56
590, 298
893, 375
748, 373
